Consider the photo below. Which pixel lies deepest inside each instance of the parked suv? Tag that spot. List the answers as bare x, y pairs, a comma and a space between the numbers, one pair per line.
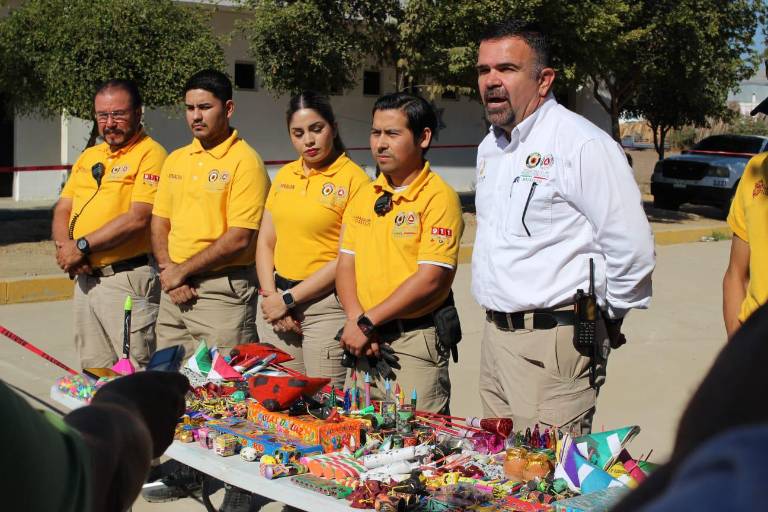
706, 174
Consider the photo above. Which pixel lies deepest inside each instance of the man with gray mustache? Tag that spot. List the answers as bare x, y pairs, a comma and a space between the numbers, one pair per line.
554, 193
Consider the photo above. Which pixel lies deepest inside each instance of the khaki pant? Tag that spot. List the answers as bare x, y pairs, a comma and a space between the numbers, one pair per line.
223, 314
423, 367
316, 353
537, 376
98, 311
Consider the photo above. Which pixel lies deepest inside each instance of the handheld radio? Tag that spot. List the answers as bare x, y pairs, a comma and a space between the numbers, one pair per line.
585, 324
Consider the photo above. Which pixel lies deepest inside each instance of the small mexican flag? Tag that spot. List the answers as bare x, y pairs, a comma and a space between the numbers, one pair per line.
221, 370
200, 362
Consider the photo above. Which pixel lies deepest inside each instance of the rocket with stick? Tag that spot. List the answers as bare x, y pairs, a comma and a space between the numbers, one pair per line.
124, 365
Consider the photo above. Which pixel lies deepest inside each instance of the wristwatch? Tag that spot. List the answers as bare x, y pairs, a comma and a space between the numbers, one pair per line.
83, 246
365, 325
288, 299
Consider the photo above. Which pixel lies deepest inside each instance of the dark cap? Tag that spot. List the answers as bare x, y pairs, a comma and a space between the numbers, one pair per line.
762, 108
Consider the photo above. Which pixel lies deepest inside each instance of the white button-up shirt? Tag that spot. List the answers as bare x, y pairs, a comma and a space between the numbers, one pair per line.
558, 192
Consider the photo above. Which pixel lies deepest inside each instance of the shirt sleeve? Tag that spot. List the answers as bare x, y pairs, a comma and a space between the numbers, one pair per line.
358, 181
69, 188
43, 451
349, 227
248, 194
441, 230
603, 188
163, 204
737, 220
148, 175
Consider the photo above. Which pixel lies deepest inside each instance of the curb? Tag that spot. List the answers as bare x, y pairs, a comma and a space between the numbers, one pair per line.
49, 288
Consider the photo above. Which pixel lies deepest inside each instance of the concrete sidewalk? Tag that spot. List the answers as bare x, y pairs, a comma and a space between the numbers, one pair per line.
650, 379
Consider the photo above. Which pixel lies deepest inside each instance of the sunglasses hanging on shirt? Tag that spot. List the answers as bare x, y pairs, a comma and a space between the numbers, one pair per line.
383, 204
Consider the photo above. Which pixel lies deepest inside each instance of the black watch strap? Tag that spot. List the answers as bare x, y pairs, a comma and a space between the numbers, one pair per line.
365, 325
83, 246
288, 299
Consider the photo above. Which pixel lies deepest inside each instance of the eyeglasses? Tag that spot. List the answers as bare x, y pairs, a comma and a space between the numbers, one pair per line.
383, 204
117, 115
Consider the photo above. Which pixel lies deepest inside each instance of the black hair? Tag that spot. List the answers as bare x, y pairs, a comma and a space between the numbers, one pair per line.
319, 103
125, 84
215, 82
533, 35
417, 110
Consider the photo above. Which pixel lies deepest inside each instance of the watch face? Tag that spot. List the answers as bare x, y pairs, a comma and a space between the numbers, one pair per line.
288, 299
82, 244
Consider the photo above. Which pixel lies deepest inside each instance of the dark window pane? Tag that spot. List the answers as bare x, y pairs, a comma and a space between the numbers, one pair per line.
245, 75
730, 143
371, 83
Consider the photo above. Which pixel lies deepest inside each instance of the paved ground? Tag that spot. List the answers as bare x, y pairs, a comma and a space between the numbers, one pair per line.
649, 380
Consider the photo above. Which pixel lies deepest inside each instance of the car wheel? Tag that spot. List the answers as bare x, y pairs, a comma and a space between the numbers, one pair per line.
665, 203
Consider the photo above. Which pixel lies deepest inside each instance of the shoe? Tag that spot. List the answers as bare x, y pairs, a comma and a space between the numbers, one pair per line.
181, 482
236, 500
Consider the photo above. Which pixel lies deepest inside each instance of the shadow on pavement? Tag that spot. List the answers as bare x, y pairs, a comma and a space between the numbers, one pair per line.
685, 213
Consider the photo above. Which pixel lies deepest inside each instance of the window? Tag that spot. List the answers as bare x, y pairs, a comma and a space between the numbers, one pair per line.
245, 75
371, 83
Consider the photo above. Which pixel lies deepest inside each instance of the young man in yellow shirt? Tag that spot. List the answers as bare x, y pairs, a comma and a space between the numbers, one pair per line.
398, 257
101, 230
208, 209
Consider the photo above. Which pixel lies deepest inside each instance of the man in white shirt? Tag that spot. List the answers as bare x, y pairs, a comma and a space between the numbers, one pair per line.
553, 192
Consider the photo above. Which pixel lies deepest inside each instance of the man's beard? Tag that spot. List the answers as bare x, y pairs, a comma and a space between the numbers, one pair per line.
122, 136
501, 118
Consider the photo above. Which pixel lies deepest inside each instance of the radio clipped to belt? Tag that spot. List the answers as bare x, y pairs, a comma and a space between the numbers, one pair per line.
586, 314
448, 327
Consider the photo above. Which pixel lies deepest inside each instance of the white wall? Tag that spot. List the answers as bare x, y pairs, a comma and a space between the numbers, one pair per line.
37, 143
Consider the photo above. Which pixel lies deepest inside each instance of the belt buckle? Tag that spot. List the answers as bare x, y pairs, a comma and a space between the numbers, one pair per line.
106, 271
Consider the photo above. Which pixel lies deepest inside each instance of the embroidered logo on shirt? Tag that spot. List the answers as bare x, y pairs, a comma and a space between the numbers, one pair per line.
406, 225
213, 176
224, 177
363, 221
481, 170
759, 189
172, 176
117, 173
287, 186
441, 235
547, 161
151, 179
327, 189
341, 192
533, 160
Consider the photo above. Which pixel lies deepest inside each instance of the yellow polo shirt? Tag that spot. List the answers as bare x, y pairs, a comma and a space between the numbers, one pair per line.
131, 174
205, 192
424, 226
749, 221
307, 213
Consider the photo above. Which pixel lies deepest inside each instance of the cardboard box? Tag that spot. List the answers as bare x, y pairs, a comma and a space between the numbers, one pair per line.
280, 446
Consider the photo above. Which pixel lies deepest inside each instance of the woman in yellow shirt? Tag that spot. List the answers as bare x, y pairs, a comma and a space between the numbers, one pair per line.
298, 242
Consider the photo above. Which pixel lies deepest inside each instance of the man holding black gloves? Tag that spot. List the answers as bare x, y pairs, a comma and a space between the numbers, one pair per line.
398, 258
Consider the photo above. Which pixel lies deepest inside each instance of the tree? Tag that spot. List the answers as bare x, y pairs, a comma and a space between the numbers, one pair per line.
318, 44
56, 52
700, 51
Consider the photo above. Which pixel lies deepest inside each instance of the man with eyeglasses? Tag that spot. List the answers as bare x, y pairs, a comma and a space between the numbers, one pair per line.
554, 195
101, 231
398, 258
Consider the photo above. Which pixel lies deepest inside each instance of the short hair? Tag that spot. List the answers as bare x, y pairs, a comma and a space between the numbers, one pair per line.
533, 35
320, 103
215, 82
417, 110
126, 85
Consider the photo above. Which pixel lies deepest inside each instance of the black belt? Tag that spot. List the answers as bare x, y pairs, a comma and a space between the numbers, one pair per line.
283, 283
542, 319
394, 328
121, 266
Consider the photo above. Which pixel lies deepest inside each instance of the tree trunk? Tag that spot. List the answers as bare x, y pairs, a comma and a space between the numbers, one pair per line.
655, 131
615, 130
94, 135
663, 138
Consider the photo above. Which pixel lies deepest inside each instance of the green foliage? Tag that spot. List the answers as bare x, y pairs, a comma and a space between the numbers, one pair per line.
55, 52
743, 125
684, 138
318, 44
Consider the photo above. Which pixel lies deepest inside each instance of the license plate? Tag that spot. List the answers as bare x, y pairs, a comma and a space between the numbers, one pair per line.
678, 185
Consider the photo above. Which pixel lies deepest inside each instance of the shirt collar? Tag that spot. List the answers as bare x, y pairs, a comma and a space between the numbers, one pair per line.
219, 151
410, 193
138, 137
523, 129
328, 170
